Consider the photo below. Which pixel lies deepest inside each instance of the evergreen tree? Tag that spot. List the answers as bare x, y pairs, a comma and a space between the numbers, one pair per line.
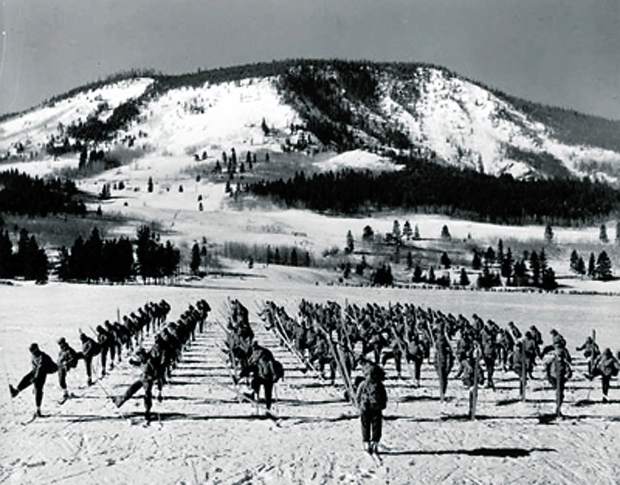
445, 233
463, 278
500, 251
431, 275
476, 262
603, 234
396, 231
407, 231
417, 274
416, 232
368, 234
228, 188
409, 260
350, 246
269, 256
150, 185
548, 233
293, 257
6, 255
489, 256
542, 258
618, 232
64, 268
603, 267
574, 260
592, 266
308, 262
83, 157
264, 127
507, 265
276, 257
580, 268
445, 260
520, 274
267, 157
196, 260
535, 268
548, 280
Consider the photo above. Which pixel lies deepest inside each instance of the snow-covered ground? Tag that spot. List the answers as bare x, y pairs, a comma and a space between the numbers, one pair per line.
202, 434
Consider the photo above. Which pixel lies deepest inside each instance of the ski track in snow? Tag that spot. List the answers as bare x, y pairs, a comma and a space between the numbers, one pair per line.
202, 434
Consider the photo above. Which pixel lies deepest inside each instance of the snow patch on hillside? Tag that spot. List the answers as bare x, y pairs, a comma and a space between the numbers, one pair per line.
33, 128
222, 116
357, 160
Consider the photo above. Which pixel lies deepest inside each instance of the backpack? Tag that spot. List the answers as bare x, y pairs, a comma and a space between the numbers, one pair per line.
278, 370
372, 396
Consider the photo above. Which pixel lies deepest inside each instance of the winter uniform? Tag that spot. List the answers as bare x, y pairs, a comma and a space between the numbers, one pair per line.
42, 365
372, 400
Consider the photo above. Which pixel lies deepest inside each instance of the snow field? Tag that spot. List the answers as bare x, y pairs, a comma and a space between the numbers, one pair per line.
202, 434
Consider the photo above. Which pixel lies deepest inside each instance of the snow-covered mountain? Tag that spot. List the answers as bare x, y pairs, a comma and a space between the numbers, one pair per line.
417, 110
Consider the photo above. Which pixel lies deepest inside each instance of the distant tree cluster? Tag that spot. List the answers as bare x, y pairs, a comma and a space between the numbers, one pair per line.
531, 269
97, 260
33, 196
463, 193
598, 268
155, 260
29, 261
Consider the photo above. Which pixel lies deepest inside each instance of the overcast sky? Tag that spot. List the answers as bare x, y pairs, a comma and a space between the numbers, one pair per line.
560, 52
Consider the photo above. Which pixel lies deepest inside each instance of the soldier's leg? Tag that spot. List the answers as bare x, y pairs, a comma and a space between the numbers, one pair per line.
605, 381
268, 386
88, 362
365, 420
112, 354
148, 399
377, 427
104, 355
131, 390
62, 379
26, 381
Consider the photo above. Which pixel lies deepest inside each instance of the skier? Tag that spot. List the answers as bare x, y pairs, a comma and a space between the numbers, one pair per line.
591, 351
266, 371
372, 400
150, 374
42, 365
67, 360
558, 372
90, 349
606, 366
106, 343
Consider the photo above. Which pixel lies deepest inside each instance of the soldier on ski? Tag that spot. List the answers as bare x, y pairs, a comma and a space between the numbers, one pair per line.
67, 360
90, 349
150, 373
42, 365
265, 370
372, 400
606, 366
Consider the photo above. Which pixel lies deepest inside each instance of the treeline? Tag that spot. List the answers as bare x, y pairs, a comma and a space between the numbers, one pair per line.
33, 196
267, 254
115, 261
28, 262
428, 187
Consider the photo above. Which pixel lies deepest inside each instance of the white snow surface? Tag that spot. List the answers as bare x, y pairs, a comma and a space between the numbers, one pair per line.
225, 115
357, 160
34, 127
202, 434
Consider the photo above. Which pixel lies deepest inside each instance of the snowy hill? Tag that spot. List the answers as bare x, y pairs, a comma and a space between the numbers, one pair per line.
416, 110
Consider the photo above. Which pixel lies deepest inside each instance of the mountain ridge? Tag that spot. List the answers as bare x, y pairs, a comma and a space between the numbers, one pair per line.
423, 108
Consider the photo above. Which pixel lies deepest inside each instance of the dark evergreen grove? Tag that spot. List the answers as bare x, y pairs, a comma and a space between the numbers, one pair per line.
29, 261
114, 260
428, 187
33, 196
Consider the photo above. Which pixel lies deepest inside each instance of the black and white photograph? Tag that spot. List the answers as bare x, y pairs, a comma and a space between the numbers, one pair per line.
310, 242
